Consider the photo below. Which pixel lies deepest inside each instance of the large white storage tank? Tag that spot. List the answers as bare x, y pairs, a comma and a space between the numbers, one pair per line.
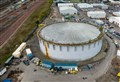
70, 41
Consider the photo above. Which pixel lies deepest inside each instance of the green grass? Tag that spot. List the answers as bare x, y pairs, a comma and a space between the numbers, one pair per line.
24, 30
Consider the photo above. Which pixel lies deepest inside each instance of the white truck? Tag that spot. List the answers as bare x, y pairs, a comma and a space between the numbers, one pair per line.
2, 71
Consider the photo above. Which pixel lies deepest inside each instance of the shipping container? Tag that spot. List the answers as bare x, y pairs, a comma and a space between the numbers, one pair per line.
29, 53
47, 64
7, 80
30, 56
66, 65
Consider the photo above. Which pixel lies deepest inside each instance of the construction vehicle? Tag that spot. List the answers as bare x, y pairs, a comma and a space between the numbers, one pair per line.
118, 76
72, 71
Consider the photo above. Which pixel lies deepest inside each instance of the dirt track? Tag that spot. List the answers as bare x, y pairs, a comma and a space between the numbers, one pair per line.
5, 36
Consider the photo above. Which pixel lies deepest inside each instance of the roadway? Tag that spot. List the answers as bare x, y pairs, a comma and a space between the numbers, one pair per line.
8, 33
103, 67
42, 75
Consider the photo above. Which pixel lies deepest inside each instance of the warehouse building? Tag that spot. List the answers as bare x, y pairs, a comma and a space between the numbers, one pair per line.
115, 20
70, 41
67, 9
84, 5
96, 14
116, 14
65, 5
115, 2
100, 5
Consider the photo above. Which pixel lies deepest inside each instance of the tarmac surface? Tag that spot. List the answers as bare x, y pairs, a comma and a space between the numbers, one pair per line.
44, 75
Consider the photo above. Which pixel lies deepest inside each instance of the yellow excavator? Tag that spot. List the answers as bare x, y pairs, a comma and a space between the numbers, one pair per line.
118, 76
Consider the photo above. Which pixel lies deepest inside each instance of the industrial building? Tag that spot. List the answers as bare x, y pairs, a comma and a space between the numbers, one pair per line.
67, 9
65, 4
84, 5
96, 14
116, 14
100, 5
115, 2
115, 20
70, 41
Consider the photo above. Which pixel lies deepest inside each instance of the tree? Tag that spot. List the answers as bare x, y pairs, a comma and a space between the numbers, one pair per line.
37, 22
100, 29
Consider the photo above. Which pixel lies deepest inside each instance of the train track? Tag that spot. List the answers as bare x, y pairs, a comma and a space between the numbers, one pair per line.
5, 36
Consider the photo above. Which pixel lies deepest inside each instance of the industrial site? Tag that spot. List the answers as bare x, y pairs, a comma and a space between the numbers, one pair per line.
60, 41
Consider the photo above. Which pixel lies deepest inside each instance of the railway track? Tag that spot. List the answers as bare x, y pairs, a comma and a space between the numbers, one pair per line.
5, 36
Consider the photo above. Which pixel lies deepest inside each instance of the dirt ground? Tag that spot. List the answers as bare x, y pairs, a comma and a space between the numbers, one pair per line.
111, 75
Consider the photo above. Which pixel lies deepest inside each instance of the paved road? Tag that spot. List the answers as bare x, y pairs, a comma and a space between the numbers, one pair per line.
5, 36
44, 76
106, 63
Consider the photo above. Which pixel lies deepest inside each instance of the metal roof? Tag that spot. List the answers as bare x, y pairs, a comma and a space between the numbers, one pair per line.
117, 13
118, 52
65, 4
69, 33
65, 8
65, 64
85, 5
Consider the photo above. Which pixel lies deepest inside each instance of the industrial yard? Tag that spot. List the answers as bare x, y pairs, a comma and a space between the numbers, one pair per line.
76, 42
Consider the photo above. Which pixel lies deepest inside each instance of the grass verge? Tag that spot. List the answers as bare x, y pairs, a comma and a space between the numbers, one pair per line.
17, 39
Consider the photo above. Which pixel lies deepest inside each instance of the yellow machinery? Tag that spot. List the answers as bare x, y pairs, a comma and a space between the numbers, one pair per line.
73, 71
118, 76
41, 25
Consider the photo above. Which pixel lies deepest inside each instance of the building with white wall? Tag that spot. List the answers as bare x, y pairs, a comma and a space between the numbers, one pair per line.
115, 2
96, 14
117, 13
70, 41
58, 1
67, 8
115, 20
100, 5
84, 5
65, 4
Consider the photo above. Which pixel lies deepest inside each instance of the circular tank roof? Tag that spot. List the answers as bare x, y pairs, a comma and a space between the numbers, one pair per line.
69, 33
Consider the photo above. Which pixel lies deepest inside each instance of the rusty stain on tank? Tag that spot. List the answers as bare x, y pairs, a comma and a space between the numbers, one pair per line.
46, 49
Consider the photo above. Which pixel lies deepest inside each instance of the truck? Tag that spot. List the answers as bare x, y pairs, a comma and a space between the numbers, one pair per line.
29, 53
2, 71
18, 51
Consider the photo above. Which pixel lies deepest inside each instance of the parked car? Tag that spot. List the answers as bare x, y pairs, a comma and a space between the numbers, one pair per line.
26, 62
111, 27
